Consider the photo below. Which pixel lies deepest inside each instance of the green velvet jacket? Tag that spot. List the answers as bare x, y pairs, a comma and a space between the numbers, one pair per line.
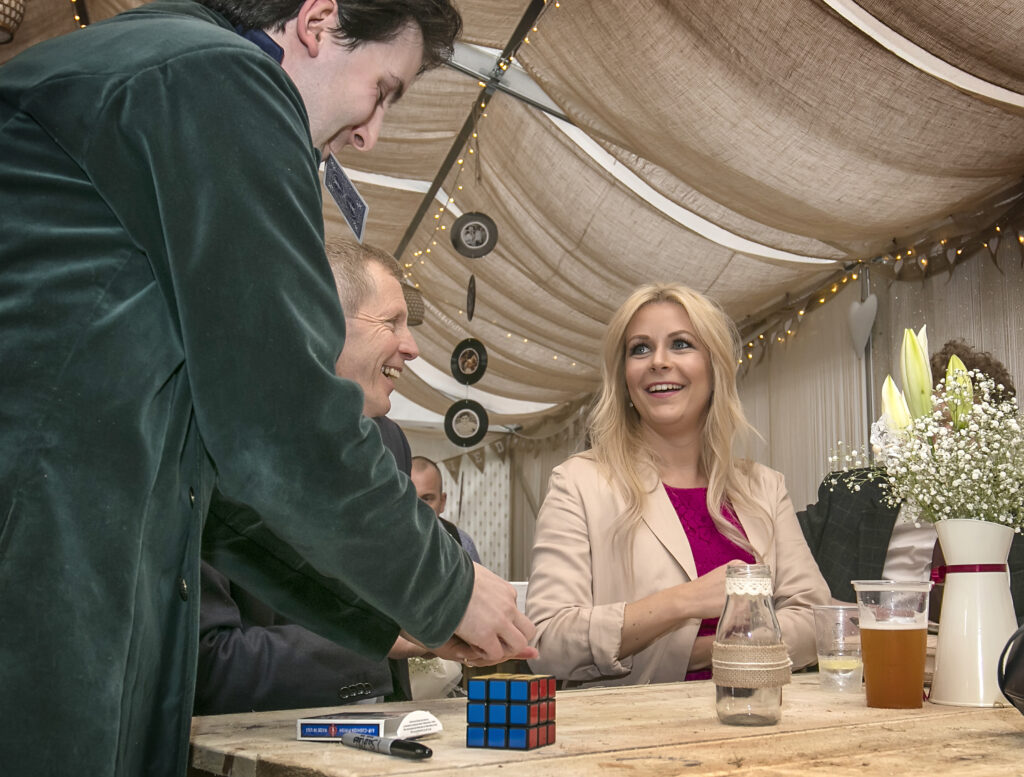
168, 330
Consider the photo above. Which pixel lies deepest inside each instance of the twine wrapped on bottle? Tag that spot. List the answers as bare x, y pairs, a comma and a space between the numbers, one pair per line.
750, 666
749, 660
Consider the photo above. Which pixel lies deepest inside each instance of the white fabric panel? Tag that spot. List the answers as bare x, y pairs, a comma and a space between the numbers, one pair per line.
806, 395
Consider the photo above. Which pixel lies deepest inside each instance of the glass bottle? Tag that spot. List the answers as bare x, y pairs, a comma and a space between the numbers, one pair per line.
749, 659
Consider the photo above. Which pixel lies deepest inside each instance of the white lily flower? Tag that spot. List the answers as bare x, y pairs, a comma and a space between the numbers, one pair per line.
895, 412
959, 391
917, 374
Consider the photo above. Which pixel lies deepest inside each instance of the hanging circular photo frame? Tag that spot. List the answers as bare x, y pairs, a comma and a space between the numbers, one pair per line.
474, 234
465, 423
469, 361
471, 297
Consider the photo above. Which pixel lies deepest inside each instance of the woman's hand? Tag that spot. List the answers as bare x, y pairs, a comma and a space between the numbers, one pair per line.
654, 616
706, 594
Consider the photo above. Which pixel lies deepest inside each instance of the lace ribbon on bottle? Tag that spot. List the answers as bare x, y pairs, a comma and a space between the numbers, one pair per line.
748, 586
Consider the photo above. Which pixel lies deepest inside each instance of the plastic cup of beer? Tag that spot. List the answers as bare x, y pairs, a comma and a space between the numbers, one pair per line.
893, 633
837, 636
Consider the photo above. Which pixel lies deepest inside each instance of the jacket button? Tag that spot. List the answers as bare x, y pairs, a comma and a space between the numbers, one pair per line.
182, 589
191, 497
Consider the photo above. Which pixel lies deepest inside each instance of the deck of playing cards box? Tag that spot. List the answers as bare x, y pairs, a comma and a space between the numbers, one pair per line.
401, 725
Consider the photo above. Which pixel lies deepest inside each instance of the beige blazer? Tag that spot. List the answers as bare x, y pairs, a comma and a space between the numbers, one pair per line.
579, 587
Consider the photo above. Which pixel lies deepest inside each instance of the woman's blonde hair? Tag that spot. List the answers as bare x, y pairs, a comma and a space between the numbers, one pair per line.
614, 425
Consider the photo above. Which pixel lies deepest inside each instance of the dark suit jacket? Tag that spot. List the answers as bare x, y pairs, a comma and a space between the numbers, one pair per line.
252, 658
848, 532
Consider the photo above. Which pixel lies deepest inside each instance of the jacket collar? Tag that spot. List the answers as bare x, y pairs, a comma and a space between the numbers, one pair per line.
661, 518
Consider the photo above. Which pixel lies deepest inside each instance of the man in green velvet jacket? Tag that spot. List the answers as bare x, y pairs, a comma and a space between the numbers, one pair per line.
168, 331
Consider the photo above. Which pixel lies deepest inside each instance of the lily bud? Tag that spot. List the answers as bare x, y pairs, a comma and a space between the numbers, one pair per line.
894, 405
922, 339
959, 392
917, 375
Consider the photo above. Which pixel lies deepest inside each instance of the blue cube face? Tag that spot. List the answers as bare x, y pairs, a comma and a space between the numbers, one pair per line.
496, 737
519, 690
518, 715
476, 690
476, 712
497, 714
497, 690
517, 738
476, 736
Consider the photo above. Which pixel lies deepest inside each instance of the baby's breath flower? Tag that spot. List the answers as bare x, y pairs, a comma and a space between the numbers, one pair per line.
937, 470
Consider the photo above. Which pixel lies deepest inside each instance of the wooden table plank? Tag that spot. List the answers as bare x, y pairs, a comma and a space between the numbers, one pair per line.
668, 729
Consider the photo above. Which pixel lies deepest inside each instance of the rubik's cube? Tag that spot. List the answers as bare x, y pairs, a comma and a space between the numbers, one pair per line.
512, 711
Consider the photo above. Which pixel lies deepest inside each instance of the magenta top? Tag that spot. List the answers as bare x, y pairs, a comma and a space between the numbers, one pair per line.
709, 546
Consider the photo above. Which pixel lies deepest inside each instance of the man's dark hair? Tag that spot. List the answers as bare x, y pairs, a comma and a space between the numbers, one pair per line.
359, 21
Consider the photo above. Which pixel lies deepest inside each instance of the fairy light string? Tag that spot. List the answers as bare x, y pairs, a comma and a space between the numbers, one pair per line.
470, 151
80, 13
912, 260
916, 261
453, 193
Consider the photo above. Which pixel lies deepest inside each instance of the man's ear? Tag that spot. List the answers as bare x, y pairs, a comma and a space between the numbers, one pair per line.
442, 502
314, 22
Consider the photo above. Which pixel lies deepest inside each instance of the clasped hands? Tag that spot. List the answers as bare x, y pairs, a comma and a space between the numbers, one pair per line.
492, 629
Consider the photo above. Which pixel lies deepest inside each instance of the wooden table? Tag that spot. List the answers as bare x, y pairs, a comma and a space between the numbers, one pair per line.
662, 730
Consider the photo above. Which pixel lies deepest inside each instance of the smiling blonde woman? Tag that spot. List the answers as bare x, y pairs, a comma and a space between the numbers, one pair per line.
633, 538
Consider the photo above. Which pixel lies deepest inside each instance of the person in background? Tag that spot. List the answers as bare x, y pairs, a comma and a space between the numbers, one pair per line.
633, 538
426, 476
855, 535
168, 334
252, 658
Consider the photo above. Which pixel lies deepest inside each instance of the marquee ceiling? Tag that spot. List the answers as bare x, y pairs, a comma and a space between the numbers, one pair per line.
750, 150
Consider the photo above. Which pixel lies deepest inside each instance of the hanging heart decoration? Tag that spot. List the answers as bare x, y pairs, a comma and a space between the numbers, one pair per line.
861, 317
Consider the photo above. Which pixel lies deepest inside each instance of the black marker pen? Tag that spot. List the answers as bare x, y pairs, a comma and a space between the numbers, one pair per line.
403, 748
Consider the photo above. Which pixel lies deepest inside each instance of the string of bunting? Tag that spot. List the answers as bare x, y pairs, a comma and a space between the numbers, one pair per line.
570, 432
478, 456
1002, 243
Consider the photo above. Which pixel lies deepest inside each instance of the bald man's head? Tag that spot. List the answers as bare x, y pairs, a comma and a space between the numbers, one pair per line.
427, 478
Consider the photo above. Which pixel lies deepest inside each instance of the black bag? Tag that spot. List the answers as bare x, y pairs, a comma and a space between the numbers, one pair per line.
1011, 670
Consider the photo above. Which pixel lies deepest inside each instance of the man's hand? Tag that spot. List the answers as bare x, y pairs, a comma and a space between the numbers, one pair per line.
458, 650
493, 629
